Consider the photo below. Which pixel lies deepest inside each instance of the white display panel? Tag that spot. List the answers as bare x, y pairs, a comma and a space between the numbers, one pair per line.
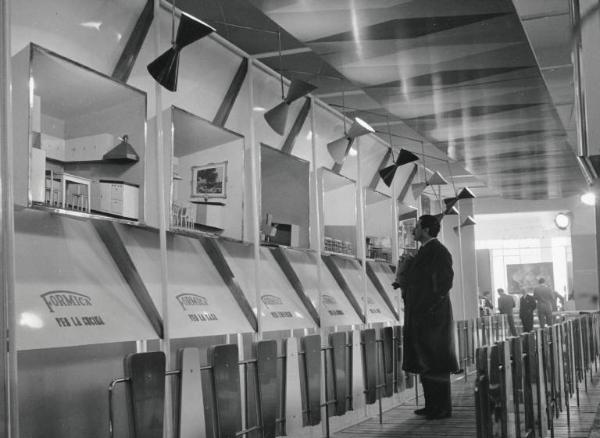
281, 306
386, 277
200, 303
336, 310
378, 311
68, 289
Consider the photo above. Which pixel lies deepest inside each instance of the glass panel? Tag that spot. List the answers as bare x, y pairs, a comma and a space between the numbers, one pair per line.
378, 311
337, 310
281, 307
339, 213
68, 289
200, 303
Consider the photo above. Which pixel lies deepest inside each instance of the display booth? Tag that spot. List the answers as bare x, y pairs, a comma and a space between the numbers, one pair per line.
338, 200
285, 189
206, 174
81, 138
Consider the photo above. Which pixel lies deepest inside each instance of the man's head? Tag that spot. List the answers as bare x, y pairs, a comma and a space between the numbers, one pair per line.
486, 293
500, 291
427, 227
542, 280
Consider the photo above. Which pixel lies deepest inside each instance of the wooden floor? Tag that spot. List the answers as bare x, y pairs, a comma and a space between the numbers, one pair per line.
401, 422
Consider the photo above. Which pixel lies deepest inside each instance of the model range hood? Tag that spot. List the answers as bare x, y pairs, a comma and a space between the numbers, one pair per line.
123, 151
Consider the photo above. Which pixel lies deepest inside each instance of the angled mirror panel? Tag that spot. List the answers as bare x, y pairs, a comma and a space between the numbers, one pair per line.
200, 303
281, 306
83, 138
378, 311
336, 310
285, 192
339, 212
68, 289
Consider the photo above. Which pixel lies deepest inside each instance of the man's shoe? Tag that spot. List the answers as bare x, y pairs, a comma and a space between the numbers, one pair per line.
439, 415
422, 411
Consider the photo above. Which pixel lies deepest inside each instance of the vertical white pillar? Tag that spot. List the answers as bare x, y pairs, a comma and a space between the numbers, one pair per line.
394, 236
361, 244
316, 205
162, 227
254, 183
9, 407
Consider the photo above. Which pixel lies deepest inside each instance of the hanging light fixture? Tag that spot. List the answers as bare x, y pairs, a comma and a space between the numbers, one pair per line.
277, 117
465, 193
469, 221
164, 69
338, 148
122, 152
435, 180
404, 157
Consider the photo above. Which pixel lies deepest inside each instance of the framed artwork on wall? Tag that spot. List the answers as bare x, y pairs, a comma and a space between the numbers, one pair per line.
209, 180
525, 276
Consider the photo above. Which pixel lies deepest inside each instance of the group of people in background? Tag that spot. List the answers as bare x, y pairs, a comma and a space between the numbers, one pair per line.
543, 300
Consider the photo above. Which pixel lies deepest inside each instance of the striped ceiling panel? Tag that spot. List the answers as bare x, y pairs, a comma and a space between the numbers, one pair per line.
461, 74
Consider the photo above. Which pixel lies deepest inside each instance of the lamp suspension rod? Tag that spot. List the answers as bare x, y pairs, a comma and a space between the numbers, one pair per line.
280, 63
173, 23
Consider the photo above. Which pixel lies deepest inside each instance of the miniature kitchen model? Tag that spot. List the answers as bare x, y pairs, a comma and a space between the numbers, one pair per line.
86, 137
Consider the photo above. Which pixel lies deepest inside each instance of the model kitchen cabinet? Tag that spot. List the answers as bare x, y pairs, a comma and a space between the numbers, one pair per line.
116, 198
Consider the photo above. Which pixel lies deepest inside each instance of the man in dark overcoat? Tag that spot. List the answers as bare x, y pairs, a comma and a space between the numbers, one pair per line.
428, 325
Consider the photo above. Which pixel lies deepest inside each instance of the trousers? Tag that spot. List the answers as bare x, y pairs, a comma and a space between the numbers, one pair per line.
436, 389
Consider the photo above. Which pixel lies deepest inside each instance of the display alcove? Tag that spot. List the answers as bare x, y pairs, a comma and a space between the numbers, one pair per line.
285, 204
80, 138
205, 165
338, 201
378, 226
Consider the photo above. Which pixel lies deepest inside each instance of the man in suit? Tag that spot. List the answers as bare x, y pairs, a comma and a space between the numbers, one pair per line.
526, 308
545, 298
505, 307
428, 324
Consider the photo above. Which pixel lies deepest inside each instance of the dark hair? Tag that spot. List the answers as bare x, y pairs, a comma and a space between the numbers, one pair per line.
431, 223
541, 280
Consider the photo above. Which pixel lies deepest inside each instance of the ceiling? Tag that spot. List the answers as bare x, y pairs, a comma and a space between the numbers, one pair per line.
487, 83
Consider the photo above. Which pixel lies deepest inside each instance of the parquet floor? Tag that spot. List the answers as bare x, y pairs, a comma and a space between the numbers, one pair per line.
401, 422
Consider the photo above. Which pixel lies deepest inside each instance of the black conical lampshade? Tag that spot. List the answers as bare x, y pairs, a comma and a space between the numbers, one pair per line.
164, 69
277, 117
450, 203
404, 157
465, 194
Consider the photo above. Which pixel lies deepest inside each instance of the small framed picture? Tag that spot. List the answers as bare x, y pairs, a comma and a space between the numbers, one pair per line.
209, 180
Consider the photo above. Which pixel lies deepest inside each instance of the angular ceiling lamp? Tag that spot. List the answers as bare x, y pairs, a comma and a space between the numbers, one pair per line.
435, 180
122, 152
469, 221
164, 69
404, 157
277, 117
337, 148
